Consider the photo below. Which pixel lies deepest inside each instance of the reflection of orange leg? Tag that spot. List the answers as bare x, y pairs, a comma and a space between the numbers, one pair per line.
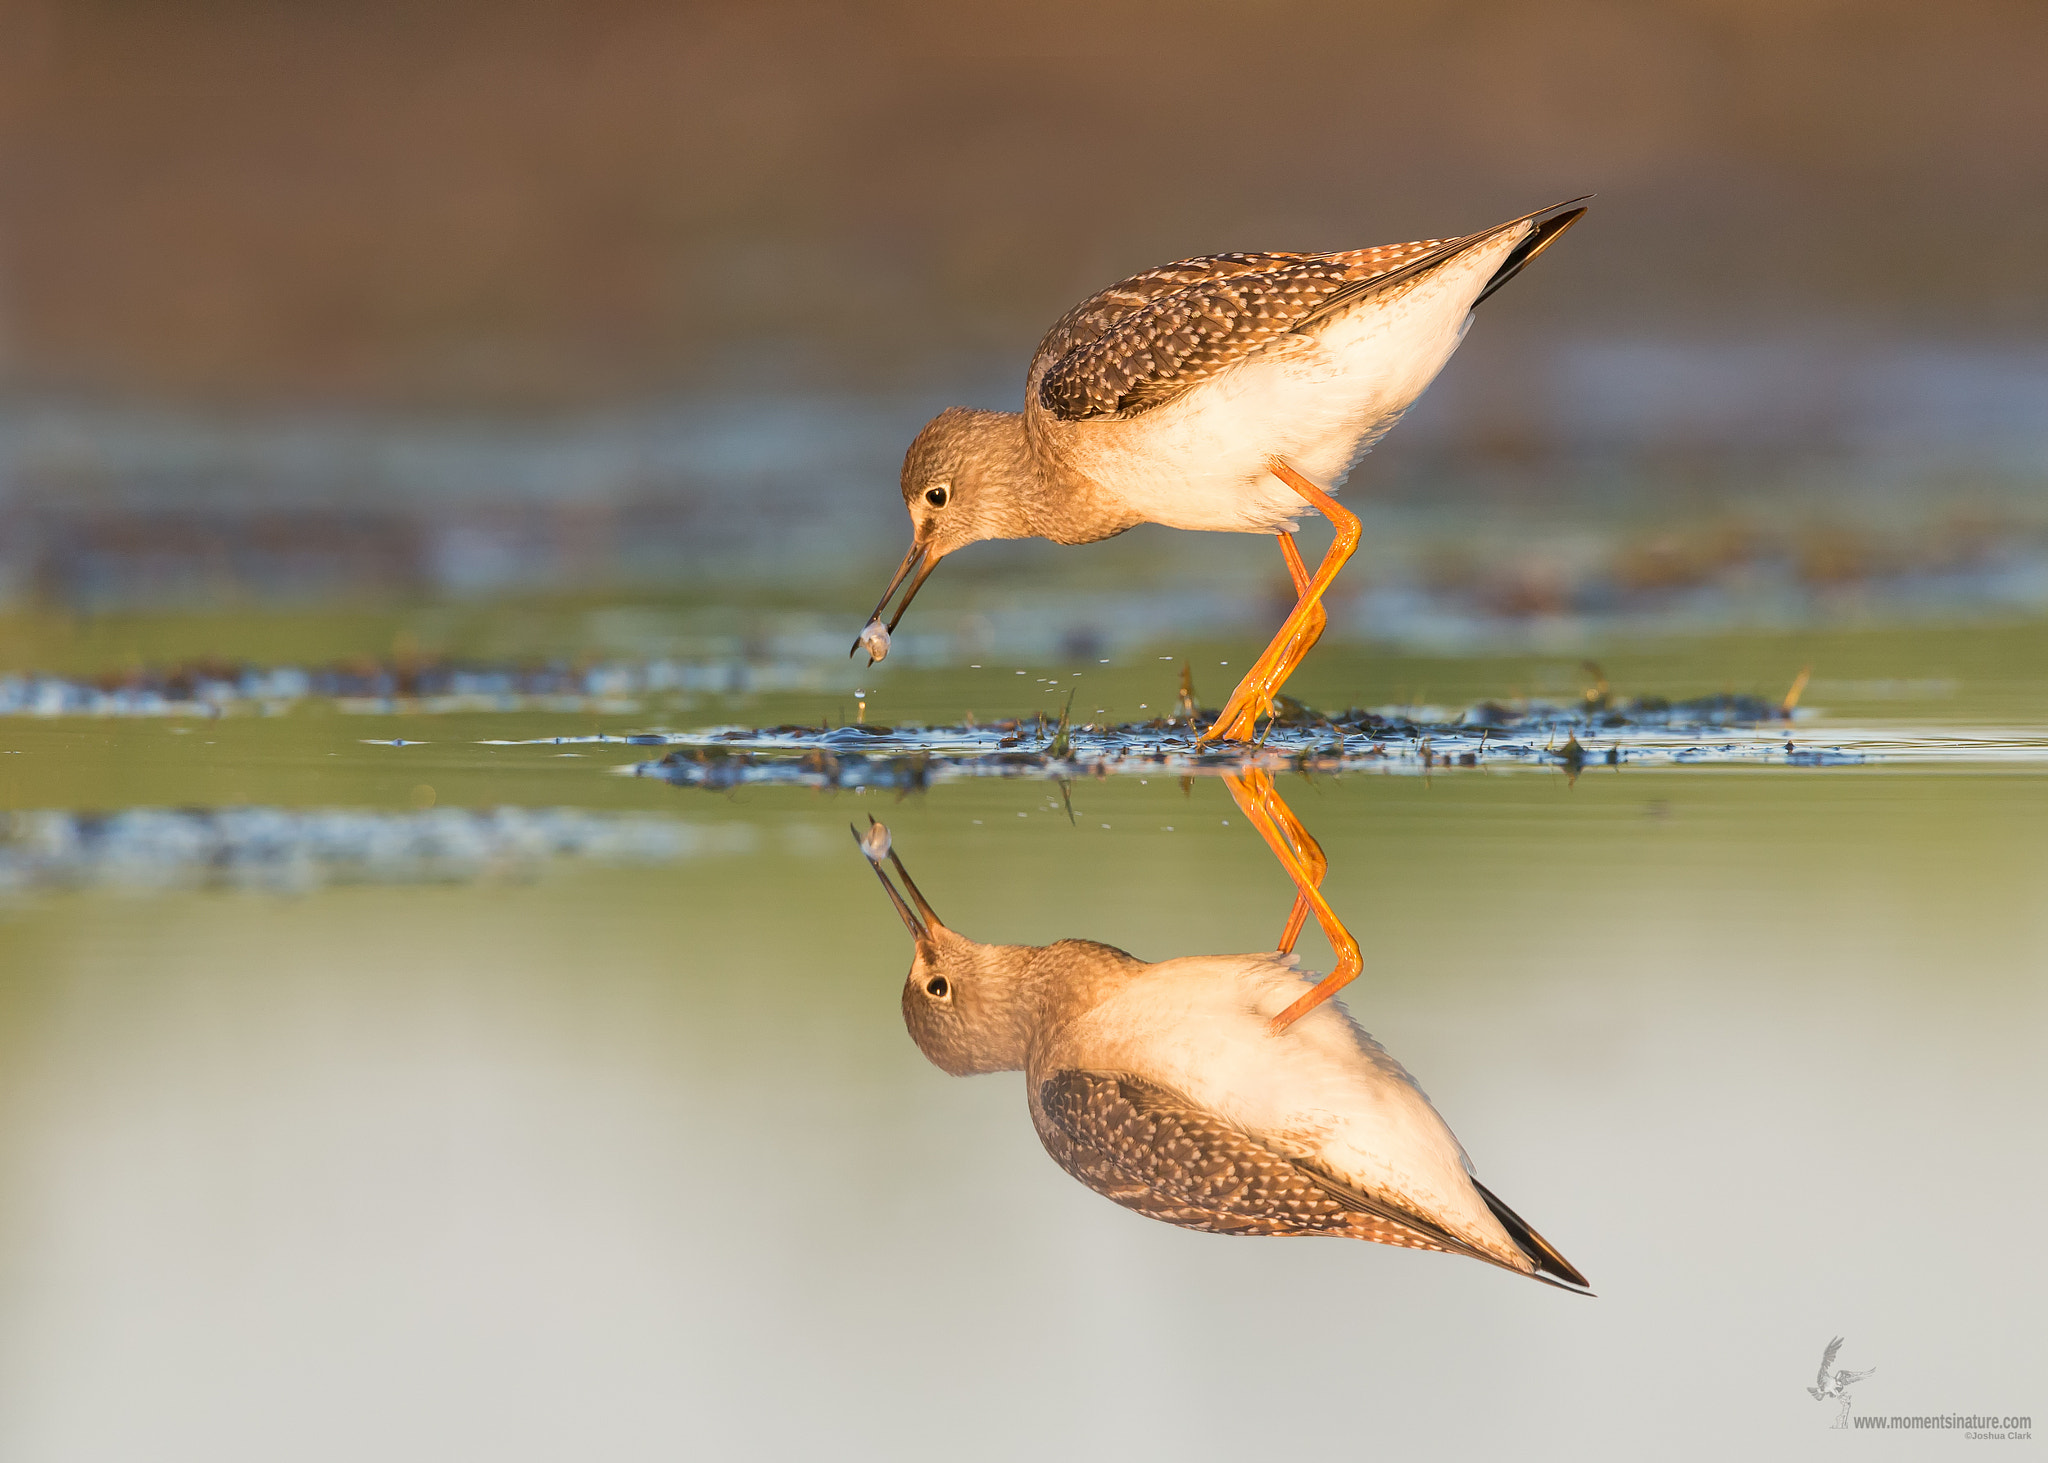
1310, 855
1256, 796
1302, 627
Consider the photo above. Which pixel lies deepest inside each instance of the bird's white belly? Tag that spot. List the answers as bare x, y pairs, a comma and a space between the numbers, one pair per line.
1318, 400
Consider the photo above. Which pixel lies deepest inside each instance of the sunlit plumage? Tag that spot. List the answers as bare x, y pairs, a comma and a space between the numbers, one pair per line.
1230, 392
1167, 1088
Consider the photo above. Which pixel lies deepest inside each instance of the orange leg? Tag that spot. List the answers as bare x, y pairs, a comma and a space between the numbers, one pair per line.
1256, 796
1298, 572
1254, 694
1318, 619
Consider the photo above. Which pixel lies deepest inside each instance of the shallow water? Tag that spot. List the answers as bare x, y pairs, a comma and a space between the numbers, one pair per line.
375, 1121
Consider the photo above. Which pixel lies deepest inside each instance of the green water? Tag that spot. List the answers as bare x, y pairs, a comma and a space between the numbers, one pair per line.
578, 1158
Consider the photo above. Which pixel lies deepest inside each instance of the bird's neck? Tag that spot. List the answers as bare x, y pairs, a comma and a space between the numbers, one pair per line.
1071, 977
1011, 996
1027, 987
1016, 1015
1000, 460
1038, 497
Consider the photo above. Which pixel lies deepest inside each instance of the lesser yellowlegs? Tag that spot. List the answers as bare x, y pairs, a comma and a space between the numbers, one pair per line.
1231, 392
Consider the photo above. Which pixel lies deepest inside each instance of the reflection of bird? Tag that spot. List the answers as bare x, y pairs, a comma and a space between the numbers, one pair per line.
1165, 1087
1210, 393
1837, 1386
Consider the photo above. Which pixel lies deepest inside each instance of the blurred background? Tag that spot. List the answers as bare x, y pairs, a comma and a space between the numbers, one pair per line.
389, 303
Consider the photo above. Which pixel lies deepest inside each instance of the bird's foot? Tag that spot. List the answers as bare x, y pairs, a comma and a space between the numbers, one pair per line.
1239, 720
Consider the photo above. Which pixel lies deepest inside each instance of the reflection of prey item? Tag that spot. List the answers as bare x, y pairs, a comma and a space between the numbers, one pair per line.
1167, 1088
1215, 393
1836, 1387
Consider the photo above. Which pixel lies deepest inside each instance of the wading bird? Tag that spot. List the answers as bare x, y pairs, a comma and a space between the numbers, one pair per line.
1183, 1090
1231, 392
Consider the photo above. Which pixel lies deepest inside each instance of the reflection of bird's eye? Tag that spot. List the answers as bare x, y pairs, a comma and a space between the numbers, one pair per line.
937, 986
935, 496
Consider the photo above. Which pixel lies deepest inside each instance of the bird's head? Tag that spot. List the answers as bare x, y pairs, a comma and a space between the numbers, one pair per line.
960, 479
968, 1006
964, 480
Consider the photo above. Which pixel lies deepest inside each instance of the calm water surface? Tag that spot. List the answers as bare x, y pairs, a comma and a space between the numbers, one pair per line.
619, 1148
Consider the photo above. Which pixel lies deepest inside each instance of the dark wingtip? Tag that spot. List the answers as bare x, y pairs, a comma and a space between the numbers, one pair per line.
1540, 1251
1540, 238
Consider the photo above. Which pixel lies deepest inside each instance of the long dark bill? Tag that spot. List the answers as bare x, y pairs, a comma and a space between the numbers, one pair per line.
917, 559
920, 927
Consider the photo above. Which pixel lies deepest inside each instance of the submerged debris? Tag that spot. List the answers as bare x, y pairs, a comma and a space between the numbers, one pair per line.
296, 849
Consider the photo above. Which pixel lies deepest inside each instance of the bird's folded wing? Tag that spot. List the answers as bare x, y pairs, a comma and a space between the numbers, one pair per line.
1827, 1359
1153, 1150
1146, 340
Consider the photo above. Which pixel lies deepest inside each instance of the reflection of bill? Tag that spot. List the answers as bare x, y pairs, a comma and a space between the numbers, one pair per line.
1835, 1387
1211, 1092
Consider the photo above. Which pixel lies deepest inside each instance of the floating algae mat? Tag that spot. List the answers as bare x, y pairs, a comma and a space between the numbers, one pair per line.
1717, 730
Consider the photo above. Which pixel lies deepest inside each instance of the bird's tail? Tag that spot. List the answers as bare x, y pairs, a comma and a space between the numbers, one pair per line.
1542, 1254
1532, 243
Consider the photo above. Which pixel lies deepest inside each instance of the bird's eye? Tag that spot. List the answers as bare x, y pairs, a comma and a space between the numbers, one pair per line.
937, 496
937, 986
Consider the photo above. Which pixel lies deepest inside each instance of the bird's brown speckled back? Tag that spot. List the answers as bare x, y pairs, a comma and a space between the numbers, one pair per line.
1147, 339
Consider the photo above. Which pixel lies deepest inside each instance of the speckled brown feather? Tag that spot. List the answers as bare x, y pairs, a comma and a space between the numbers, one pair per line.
1144, 341
1149, 339
1153, 1151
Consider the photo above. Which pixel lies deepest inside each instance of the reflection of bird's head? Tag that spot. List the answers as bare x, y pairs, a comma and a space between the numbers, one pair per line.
970, 1007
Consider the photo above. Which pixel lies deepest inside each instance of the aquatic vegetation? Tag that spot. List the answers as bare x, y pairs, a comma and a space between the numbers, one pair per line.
1648, 731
